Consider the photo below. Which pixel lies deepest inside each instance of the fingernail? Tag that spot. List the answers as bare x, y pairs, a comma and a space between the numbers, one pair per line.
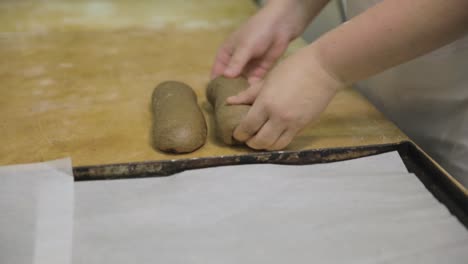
231, 99
230, 72
253, 80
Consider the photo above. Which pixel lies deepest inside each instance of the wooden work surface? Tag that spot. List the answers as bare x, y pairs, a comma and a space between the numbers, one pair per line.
76, 79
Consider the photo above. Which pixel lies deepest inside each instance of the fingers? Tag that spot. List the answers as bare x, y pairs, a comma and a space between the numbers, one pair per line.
273, 135
222, 60
239, 59
247, 96
273, 54
253, 71
262, 131
231, 60
252, 122
258, 68
267, 136
283, 141
254, 79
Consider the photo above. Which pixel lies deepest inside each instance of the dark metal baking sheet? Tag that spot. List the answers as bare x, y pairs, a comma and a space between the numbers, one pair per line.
435, 180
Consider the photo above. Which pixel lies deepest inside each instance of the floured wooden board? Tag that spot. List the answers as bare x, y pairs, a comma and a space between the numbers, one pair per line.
77, 78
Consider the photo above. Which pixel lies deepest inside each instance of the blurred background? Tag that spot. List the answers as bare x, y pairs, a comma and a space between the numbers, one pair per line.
331, 16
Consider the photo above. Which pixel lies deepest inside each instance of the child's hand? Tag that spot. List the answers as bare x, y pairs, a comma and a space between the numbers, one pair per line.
293, 95
256, 46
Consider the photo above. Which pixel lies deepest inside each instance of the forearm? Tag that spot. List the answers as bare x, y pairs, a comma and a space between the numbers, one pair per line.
304, 11
388, 34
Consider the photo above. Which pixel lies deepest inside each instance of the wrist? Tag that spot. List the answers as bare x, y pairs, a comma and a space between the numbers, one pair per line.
319, 63
291, 16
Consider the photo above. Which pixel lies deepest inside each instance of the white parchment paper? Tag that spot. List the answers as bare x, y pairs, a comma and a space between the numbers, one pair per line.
368, 210
36, 213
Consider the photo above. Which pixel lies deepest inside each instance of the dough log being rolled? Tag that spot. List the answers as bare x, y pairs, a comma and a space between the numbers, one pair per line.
178, 122
227, 117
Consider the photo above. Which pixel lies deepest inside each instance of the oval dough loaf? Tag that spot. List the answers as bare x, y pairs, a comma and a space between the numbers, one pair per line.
227, 117
178, 122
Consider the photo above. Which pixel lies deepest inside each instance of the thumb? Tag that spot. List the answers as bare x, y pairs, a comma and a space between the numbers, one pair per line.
245, 97
238, 61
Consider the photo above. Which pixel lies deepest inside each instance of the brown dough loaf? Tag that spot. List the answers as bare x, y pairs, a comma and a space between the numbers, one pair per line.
179, 125
227, 117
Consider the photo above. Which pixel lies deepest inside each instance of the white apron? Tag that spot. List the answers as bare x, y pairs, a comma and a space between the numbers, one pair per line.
427, 98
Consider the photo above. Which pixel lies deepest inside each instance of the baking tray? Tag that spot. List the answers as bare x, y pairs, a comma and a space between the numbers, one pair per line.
436, 180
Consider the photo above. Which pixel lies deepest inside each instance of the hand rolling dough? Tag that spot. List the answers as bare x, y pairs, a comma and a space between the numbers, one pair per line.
227, 117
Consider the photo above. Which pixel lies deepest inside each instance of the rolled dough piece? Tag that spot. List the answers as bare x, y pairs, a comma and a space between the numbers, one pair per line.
227, 117
178, 122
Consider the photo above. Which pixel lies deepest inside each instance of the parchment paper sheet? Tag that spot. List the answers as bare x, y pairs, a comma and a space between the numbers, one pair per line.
368, 210
36, 213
